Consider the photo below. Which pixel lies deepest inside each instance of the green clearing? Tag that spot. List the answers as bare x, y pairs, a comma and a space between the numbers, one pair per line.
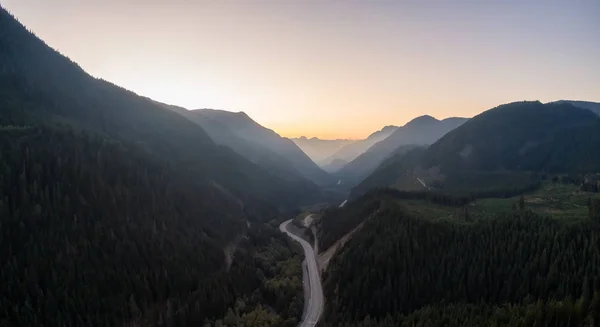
560, 201
563, 201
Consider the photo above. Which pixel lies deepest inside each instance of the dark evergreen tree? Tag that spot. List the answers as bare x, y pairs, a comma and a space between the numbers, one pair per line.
521, 203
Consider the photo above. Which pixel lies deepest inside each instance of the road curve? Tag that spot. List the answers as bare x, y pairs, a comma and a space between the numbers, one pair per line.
314, 298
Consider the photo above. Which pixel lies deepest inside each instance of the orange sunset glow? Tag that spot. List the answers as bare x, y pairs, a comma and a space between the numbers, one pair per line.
330, 69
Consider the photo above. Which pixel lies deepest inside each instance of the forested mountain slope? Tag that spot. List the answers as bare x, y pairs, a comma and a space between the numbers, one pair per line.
244, 127
423, 130
496, 148
404, 268
84, 220
114, 211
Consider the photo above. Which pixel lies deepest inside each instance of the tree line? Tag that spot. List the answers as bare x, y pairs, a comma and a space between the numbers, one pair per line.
336, 222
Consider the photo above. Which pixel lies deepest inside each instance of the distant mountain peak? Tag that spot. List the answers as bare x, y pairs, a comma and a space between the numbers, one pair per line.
388, 127
386, 130
454, 118
425, 119
240, 118
223, 112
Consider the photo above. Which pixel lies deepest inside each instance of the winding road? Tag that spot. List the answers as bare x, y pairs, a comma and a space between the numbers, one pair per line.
313, 294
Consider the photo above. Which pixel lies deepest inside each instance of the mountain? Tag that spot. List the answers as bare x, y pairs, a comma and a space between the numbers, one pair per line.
395, 171
422, 130
244, 127
497, 149
592, 106
429, 217
258, 154
114, 210
320, 150
524, 135
57, 91
351, 151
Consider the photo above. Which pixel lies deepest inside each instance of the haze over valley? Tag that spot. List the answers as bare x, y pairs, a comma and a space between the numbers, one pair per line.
267, 164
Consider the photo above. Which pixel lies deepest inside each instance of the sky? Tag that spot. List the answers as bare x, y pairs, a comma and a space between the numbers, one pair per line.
330, 68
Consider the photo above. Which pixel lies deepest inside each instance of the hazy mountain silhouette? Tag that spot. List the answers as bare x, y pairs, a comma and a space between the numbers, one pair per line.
240, 124
320, 150
423, 130
490, 148
258, 154
351, 151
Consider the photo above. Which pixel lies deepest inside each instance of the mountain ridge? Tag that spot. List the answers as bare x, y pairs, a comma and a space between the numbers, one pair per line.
528, 137
422, 130
320, 149
256, 153
353, 150
246, 128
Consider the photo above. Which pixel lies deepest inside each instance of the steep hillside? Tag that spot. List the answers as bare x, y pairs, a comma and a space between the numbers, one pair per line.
499, 148
320, 150
353, 150
246, 128
422, 130
114, 211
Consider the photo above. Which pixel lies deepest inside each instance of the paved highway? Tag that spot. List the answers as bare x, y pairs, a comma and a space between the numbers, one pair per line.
314, 308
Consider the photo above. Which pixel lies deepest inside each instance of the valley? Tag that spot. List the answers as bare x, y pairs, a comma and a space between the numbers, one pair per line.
420, 227
314, 295
121, 209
